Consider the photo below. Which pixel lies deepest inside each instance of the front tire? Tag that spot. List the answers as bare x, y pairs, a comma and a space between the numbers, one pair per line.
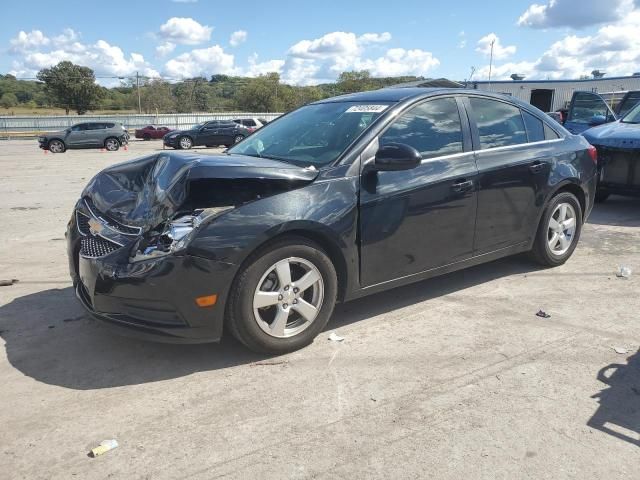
283, 298
112, 144
559, 230
185, 143
56, 146
238, 139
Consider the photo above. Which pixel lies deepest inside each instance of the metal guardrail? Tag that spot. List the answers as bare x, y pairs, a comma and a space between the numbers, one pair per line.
30, 126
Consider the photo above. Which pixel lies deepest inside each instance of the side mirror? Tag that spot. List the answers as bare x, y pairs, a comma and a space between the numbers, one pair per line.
396, 156
597, 120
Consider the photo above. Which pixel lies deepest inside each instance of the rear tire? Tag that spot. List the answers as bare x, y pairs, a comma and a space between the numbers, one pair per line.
559, 230
146, 137
295, 311
112, 144
238, 139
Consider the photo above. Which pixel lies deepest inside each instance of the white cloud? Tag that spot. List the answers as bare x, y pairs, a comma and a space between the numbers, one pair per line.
368, 38
397, 62
165, 48
256, 68
613, 48
499, 50
237, 38
462, 39
574, 13
200, 62
25, 41
184, 31
102, 57
330, 45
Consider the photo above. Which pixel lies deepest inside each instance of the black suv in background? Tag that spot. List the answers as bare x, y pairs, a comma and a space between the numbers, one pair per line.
209, 134
109, 135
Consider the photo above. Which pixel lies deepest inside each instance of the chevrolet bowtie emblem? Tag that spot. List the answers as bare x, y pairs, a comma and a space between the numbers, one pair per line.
95, 227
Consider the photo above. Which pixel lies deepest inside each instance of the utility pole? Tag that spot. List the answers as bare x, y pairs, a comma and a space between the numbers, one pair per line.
491, 62
138, 87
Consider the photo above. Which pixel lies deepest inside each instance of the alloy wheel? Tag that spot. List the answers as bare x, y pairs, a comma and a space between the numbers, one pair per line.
562, 228
185, 143
238, 138
288, 297
56, 147
111, 144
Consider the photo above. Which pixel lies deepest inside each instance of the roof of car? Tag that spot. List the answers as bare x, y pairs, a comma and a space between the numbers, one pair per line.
399, 94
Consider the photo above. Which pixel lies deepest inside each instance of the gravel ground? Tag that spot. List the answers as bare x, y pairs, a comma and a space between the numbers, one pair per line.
447, 378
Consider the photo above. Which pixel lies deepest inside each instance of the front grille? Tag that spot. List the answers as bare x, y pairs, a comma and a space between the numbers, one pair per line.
111, 223
94, 247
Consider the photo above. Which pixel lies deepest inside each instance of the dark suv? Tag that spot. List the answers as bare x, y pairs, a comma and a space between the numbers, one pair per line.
109, 135
209, 134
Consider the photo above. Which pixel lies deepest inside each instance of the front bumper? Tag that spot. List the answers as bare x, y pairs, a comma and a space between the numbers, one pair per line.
170, 142
619, 170
153, 299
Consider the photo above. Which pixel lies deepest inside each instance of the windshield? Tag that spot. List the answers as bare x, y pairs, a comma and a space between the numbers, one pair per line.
312, 135
633, 116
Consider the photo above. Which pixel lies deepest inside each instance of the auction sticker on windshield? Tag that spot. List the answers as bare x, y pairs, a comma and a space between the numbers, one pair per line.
366, 108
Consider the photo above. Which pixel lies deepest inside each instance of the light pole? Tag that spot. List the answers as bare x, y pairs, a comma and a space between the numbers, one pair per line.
491, 61
138, 88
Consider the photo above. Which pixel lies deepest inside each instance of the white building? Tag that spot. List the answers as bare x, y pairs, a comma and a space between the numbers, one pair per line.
552, 95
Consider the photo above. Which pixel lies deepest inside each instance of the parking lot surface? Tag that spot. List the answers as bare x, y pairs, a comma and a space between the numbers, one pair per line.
448, 378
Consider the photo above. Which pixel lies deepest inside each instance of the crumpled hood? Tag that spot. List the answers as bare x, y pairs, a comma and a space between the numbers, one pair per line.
149, 190
615, 134
58, 134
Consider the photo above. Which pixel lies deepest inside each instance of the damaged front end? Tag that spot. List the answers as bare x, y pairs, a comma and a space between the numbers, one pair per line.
129, 237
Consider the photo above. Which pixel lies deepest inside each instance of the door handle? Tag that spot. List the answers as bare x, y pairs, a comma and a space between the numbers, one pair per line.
536, 167
462, 186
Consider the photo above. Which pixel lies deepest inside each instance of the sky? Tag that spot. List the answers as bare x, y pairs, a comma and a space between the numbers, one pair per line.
312, 42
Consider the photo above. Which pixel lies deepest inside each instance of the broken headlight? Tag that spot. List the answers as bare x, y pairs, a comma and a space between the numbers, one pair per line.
174, 235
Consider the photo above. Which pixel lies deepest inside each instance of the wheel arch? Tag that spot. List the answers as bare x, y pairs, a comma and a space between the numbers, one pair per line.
571, 187
324, 240
58, 139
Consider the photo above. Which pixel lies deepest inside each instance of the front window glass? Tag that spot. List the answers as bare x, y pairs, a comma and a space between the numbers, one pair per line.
587, 105
433, 128
315, 135
499, 124
633, 116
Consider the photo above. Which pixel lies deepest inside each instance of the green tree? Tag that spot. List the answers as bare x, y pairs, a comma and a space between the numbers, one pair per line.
356, 81
261, 94
8, 100
71, 86
156, 96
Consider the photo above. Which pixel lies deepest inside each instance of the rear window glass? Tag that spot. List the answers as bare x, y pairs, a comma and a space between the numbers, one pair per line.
535, 129
550, 133
499, 124
629, 102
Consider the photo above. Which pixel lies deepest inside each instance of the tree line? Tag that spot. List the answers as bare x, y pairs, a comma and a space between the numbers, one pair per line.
73, 88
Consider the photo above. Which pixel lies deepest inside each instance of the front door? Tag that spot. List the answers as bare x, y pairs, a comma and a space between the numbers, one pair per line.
511, 172
208, 135
587, 109
77, 136
419, 219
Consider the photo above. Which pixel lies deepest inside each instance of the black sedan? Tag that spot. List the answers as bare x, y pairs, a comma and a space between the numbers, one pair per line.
336, 200
209, 134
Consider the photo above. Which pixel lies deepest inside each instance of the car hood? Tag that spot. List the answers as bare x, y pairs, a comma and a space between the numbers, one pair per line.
616, 134
148, 191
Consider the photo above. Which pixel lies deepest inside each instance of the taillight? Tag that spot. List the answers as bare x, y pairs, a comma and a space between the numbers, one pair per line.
593, 153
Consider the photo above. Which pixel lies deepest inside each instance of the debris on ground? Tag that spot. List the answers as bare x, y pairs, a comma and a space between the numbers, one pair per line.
623, 271
6, 283
334, 337
542, 314
103, 448
268, 364
620, 350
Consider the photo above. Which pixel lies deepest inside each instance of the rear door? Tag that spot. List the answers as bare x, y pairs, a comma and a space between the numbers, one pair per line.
419, 219
95, 134
587, 109
514, 163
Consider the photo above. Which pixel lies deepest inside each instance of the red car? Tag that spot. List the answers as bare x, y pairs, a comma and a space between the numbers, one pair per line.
151, 131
